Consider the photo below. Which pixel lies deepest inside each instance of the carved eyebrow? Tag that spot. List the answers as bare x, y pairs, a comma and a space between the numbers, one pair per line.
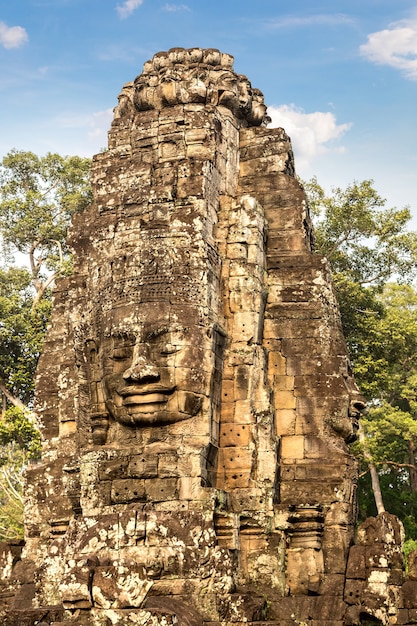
153, 334
125, 338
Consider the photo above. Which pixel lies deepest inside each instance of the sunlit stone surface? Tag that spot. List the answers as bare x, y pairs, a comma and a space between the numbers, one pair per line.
194, 393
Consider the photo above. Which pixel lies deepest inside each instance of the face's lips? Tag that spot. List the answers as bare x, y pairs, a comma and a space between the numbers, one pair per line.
144, 390
141, 398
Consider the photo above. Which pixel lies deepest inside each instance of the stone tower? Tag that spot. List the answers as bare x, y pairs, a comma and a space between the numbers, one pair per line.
194, 392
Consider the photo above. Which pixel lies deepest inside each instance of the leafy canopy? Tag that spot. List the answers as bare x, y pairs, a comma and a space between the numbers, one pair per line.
38, 195
362, 239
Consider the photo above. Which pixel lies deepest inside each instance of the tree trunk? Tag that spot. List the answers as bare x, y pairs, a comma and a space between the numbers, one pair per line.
15, 401
412, 462
376, 487
41, 288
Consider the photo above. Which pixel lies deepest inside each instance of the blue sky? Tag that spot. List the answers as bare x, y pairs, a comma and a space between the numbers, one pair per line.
339, 76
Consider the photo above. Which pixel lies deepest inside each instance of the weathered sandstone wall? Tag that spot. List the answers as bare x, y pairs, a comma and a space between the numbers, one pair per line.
194, 394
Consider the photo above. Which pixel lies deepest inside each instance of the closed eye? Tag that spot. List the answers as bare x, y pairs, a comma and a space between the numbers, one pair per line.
120, 354
170, 348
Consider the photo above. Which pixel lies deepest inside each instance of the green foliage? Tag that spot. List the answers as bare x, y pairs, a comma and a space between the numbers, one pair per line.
369, 247
11, 501
398, 497
409, 546
22, 331
362, 239
16, 427
38, 195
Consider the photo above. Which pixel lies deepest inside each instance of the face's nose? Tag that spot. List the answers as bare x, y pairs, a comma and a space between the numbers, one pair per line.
142, 369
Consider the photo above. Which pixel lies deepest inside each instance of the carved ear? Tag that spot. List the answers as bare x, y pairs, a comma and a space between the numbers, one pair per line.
98, 411
91, 349
99, 428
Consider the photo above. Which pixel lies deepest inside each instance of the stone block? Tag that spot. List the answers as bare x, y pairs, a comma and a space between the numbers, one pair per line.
285, 420
309, 407
336, 543
276, 361
283, 382
332, 585
143, 466
228, 391
306, 608
357, 563
127, 490
318, 472
234, 435
231, 479
308, 425
114, 469
244, 412
24, 596
292, 447
241, 382
317, 448
28, 617
403, 616
354, 591
170, 464
301, 491
21, 572
74, 587
409, 594
254, 499
384, 528
160, 489
119, 587
284, 399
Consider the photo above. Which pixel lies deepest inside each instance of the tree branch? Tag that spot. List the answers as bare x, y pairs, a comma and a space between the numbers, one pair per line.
409, 465
42, 288
338, 243
15, 401
376, 487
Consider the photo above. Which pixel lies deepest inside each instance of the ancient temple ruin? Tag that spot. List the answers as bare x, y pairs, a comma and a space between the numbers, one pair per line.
194, 394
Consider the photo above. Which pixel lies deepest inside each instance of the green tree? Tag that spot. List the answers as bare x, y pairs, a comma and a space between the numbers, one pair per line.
38, 195
11, 499
22, 330
363, 240
370, 247
391, 425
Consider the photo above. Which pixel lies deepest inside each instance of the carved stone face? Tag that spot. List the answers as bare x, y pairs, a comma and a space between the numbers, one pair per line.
156, 371
356, 408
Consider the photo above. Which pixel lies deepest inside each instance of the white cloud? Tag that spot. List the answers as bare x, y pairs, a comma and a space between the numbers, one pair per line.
395, 46
127, 8
311, 133
92, 126
12, 36
99, 124
175, 7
